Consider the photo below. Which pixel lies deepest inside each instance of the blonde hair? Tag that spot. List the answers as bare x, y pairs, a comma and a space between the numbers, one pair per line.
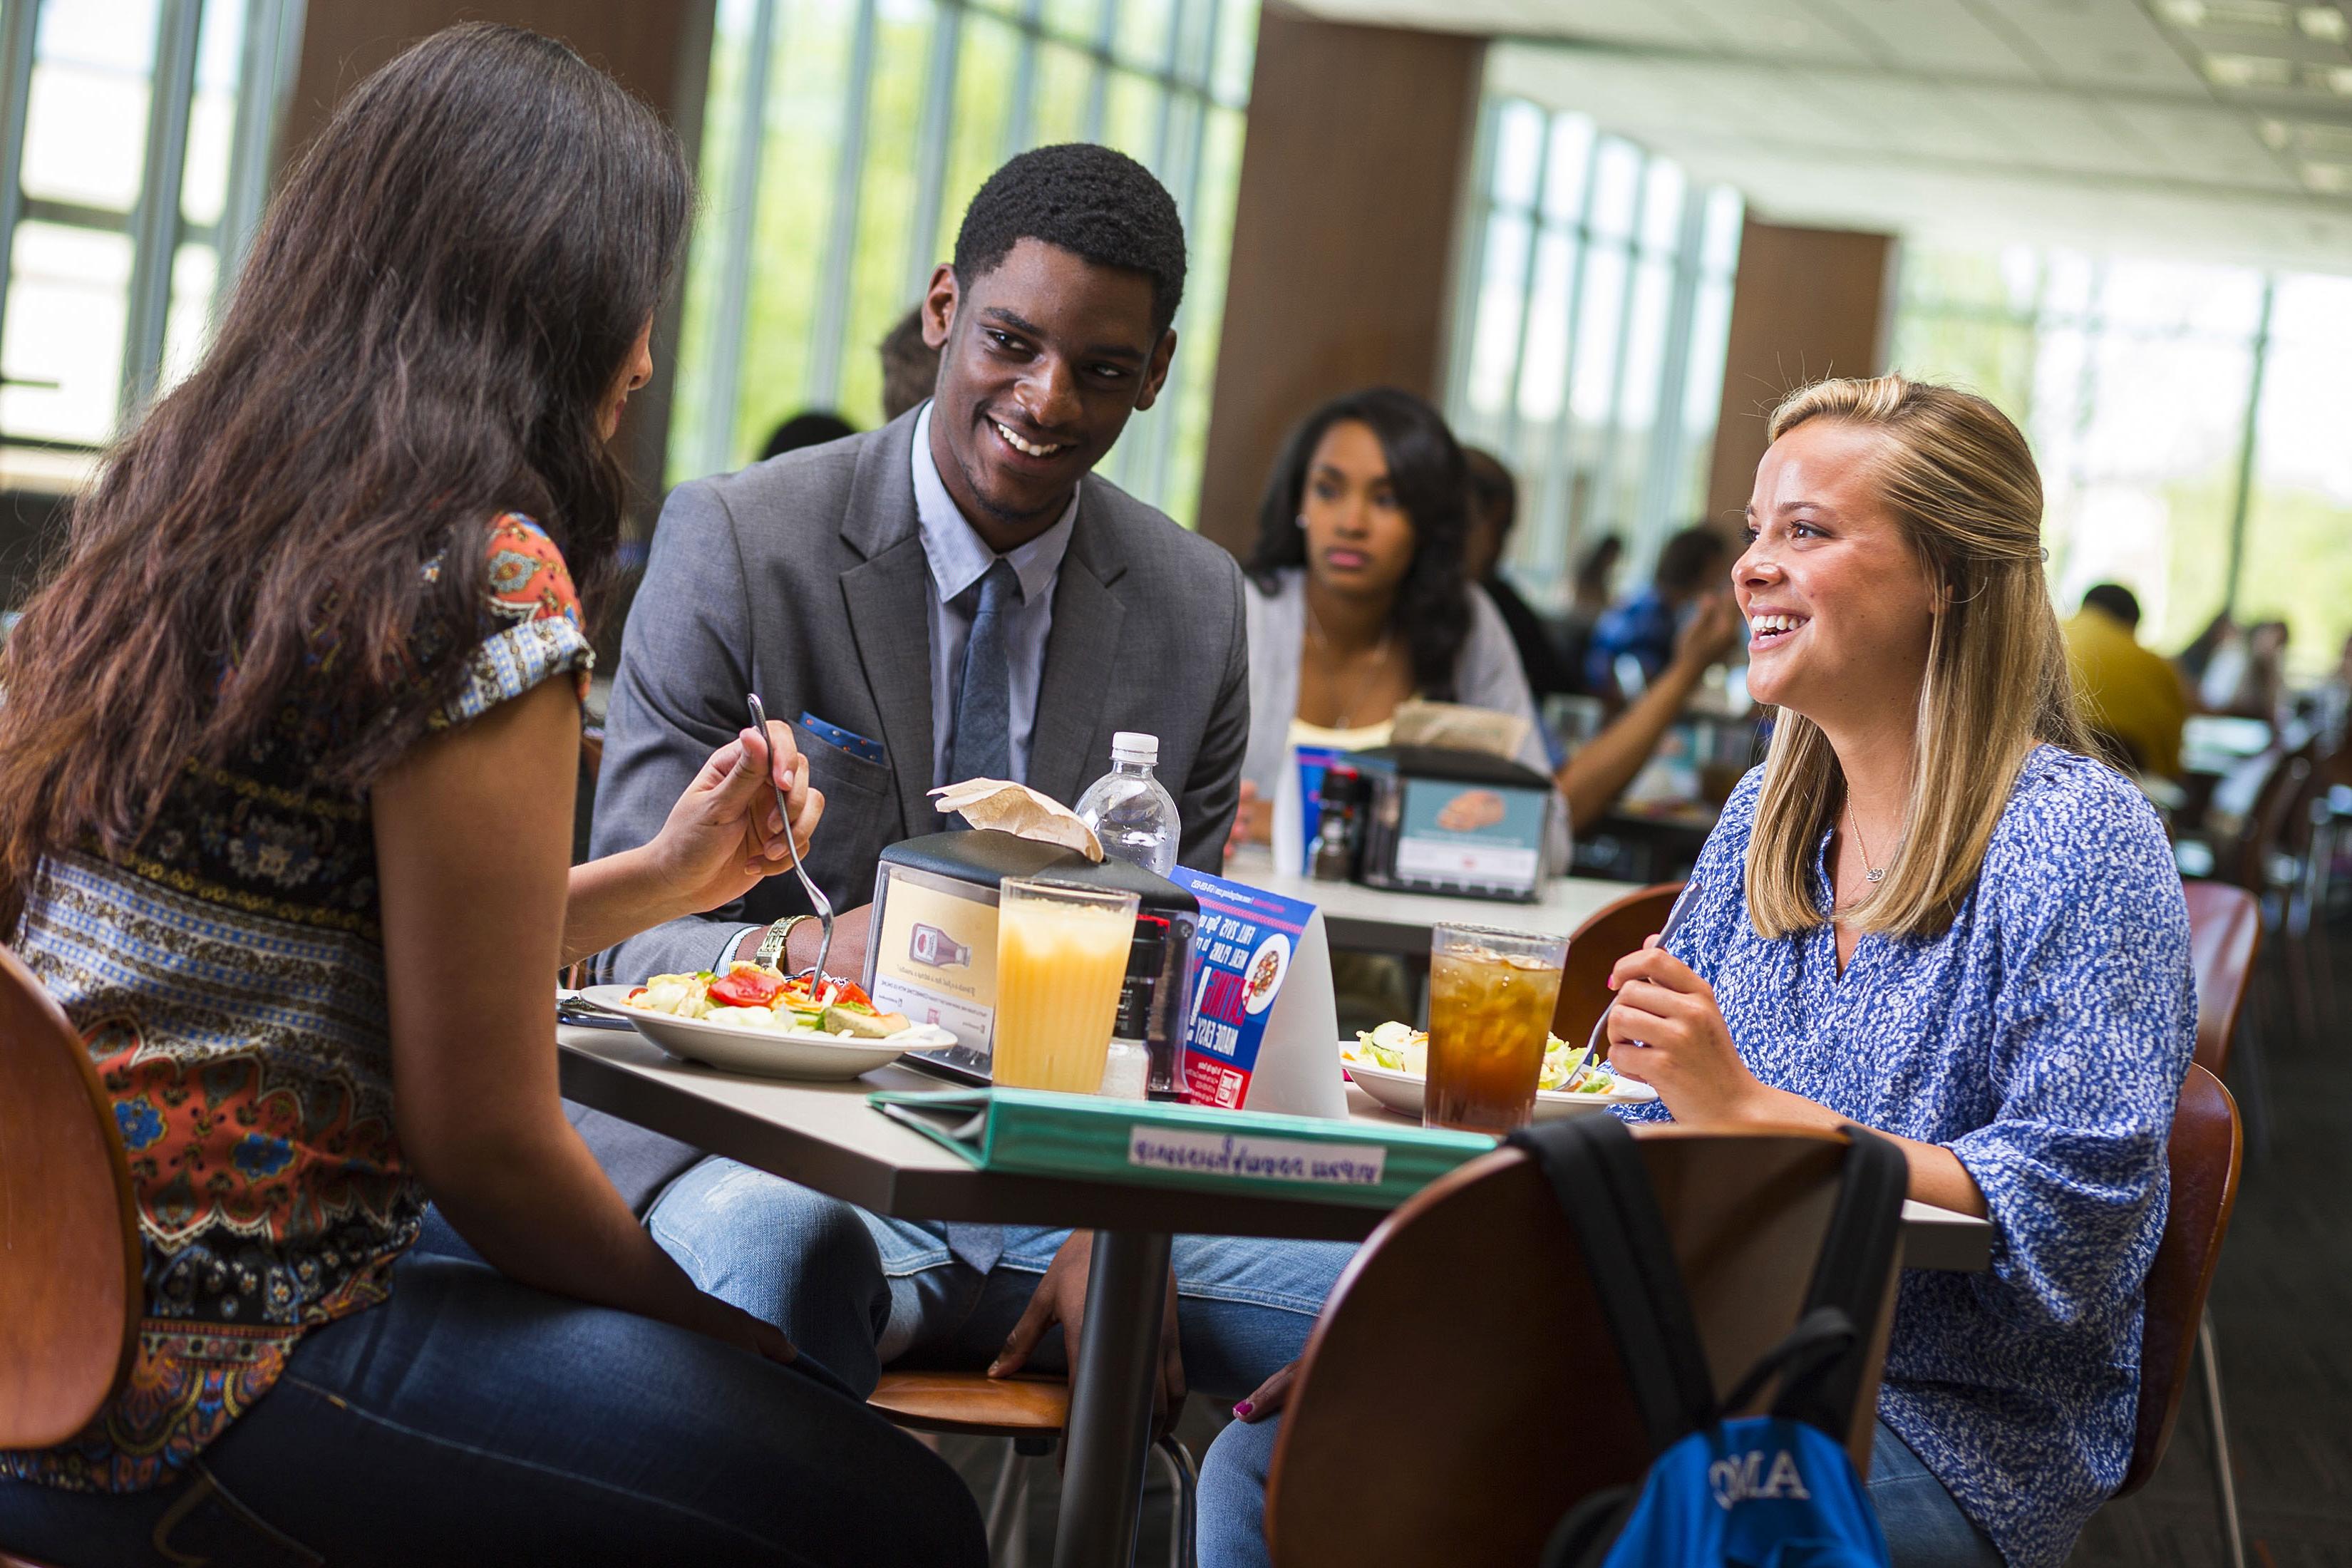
1959, 482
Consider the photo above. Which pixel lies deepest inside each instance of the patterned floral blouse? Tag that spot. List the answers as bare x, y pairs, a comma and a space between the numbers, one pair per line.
2042, 1040
229, 978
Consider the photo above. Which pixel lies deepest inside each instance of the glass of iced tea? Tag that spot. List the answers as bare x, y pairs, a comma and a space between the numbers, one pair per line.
1061, 957
1491, 996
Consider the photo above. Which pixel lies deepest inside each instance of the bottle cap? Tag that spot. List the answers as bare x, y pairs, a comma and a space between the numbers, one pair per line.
1135, 746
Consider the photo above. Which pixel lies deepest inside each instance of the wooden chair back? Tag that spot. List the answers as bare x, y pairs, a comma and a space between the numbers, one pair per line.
1608, 934
70, 1260
2203, 1155
2225, 933
1460, 1391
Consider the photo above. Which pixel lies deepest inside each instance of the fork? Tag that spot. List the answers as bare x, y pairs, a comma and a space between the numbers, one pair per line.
817, 900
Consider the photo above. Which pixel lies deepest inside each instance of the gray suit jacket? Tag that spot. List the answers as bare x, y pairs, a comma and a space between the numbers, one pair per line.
804, 578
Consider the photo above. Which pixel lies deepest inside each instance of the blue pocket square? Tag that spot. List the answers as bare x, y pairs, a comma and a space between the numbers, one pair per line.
833, 735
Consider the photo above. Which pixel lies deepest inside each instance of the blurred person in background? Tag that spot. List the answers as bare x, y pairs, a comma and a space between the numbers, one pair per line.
304, 895
1593, 588
1493, 509
1645, 625
2193, 660
1592, 779
812, 428
2131, 696
2247, 673
1357, 597
910, 367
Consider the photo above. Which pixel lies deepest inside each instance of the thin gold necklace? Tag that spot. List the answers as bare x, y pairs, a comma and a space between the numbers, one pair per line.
1873, 874
1323, 646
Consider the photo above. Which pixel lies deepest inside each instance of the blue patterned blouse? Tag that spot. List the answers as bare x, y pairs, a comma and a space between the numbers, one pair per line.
2042, 1039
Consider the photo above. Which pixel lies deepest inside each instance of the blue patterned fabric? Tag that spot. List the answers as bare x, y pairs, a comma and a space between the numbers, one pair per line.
2042, 1039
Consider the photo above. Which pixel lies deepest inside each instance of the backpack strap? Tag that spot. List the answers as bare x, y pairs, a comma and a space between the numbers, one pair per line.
1597, 1174
1849, 1280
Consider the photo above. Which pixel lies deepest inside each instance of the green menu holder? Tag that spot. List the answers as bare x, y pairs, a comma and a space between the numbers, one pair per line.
1037, 1133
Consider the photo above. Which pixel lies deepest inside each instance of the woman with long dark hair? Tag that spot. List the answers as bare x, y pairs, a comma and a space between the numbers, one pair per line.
286, 771
1357, 598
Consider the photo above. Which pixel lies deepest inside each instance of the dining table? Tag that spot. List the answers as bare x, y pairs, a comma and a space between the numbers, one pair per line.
827, 1137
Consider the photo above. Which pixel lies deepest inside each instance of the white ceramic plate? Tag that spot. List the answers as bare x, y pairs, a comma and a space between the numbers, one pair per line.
770, 1053
1401, 1092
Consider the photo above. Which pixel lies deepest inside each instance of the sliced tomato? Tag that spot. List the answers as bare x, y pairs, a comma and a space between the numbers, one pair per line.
747, 986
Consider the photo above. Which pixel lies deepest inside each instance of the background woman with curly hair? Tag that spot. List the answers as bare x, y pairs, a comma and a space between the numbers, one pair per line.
1356, 595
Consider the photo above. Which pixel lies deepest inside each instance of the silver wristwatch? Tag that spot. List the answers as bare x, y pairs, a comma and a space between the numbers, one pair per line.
771, 950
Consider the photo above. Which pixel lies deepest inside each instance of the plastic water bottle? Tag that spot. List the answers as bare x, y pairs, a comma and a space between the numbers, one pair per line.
1129, 810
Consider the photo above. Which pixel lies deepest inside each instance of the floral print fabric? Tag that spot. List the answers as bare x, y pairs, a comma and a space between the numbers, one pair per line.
2042, 1039
228, 980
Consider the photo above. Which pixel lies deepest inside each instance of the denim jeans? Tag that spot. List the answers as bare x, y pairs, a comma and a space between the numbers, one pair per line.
1924, 1527
859, 1291
472, 1419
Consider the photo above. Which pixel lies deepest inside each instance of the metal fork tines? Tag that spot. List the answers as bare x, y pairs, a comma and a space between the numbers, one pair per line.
817, 900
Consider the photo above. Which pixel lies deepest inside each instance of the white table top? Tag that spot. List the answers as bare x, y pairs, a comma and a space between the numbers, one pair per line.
825, 1136
1370, 919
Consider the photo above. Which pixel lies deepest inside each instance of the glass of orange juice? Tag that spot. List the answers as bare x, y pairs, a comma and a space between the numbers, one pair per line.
1061, 957
1491, 997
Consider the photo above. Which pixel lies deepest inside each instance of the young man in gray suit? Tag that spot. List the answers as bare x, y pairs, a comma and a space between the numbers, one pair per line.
955, 596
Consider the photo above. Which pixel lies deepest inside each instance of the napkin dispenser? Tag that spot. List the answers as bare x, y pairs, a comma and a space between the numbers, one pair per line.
1444, 821
931, 951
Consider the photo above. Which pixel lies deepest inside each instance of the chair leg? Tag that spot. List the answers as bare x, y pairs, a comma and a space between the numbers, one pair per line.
1008, 1512
2225, 1478
1185, 1510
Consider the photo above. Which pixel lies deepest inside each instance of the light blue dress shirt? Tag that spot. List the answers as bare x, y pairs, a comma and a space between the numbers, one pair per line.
959, 559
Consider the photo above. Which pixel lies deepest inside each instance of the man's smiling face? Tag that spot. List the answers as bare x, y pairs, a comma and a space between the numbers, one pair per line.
1042, 357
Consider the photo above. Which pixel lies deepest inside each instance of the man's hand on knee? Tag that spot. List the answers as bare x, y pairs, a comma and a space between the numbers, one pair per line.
1060, 1297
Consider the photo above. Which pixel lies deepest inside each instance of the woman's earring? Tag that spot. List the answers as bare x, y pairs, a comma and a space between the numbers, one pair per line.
1301, 521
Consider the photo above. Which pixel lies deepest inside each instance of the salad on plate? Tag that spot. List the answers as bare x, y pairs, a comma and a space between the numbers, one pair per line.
752, 996
1401, 1047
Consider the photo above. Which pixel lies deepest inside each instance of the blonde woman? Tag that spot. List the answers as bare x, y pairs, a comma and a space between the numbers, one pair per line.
1929, 913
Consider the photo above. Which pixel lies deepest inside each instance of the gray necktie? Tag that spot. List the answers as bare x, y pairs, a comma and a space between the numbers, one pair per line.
983, 748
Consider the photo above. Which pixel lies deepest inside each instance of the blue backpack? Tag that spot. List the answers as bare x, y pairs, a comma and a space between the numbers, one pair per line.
1764, 1491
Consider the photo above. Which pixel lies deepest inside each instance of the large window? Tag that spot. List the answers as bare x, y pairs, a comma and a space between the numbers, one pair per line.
1589, 334
2188, 419
843, 138
134, 143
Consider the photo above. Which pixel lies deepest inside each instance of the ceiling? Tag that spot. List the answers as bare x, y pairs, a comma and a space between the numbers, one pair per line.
2209, 127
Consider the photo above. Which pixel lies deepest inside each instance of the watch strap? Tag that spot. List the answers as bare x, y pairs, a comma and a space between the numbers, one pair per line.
771, 950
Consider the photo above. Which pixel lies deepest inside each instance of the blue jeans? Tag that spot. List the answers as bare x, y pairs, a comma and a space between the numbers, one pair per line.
859, 1291
472, 1419
1924, 1527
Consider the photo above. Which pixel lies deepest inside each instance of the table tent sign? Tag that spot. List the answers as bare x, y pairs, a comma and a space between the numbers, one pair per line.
1264, 1026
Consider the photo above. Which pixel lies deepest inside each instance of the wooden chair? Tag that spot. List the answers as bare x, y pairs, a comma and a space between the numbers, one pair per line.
1031, 1412
1460, 1392
1608, 934
70, 1258
2225, 934
2204, 1155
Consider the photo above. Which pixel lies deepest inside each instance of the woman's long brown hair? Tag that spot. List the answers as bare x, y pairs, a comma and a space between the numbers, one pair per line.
435, 311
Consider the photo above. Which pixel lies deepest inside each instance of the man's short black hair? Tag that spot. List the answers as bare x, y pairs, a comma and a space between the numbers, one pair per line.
1091, 201
2117, 600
